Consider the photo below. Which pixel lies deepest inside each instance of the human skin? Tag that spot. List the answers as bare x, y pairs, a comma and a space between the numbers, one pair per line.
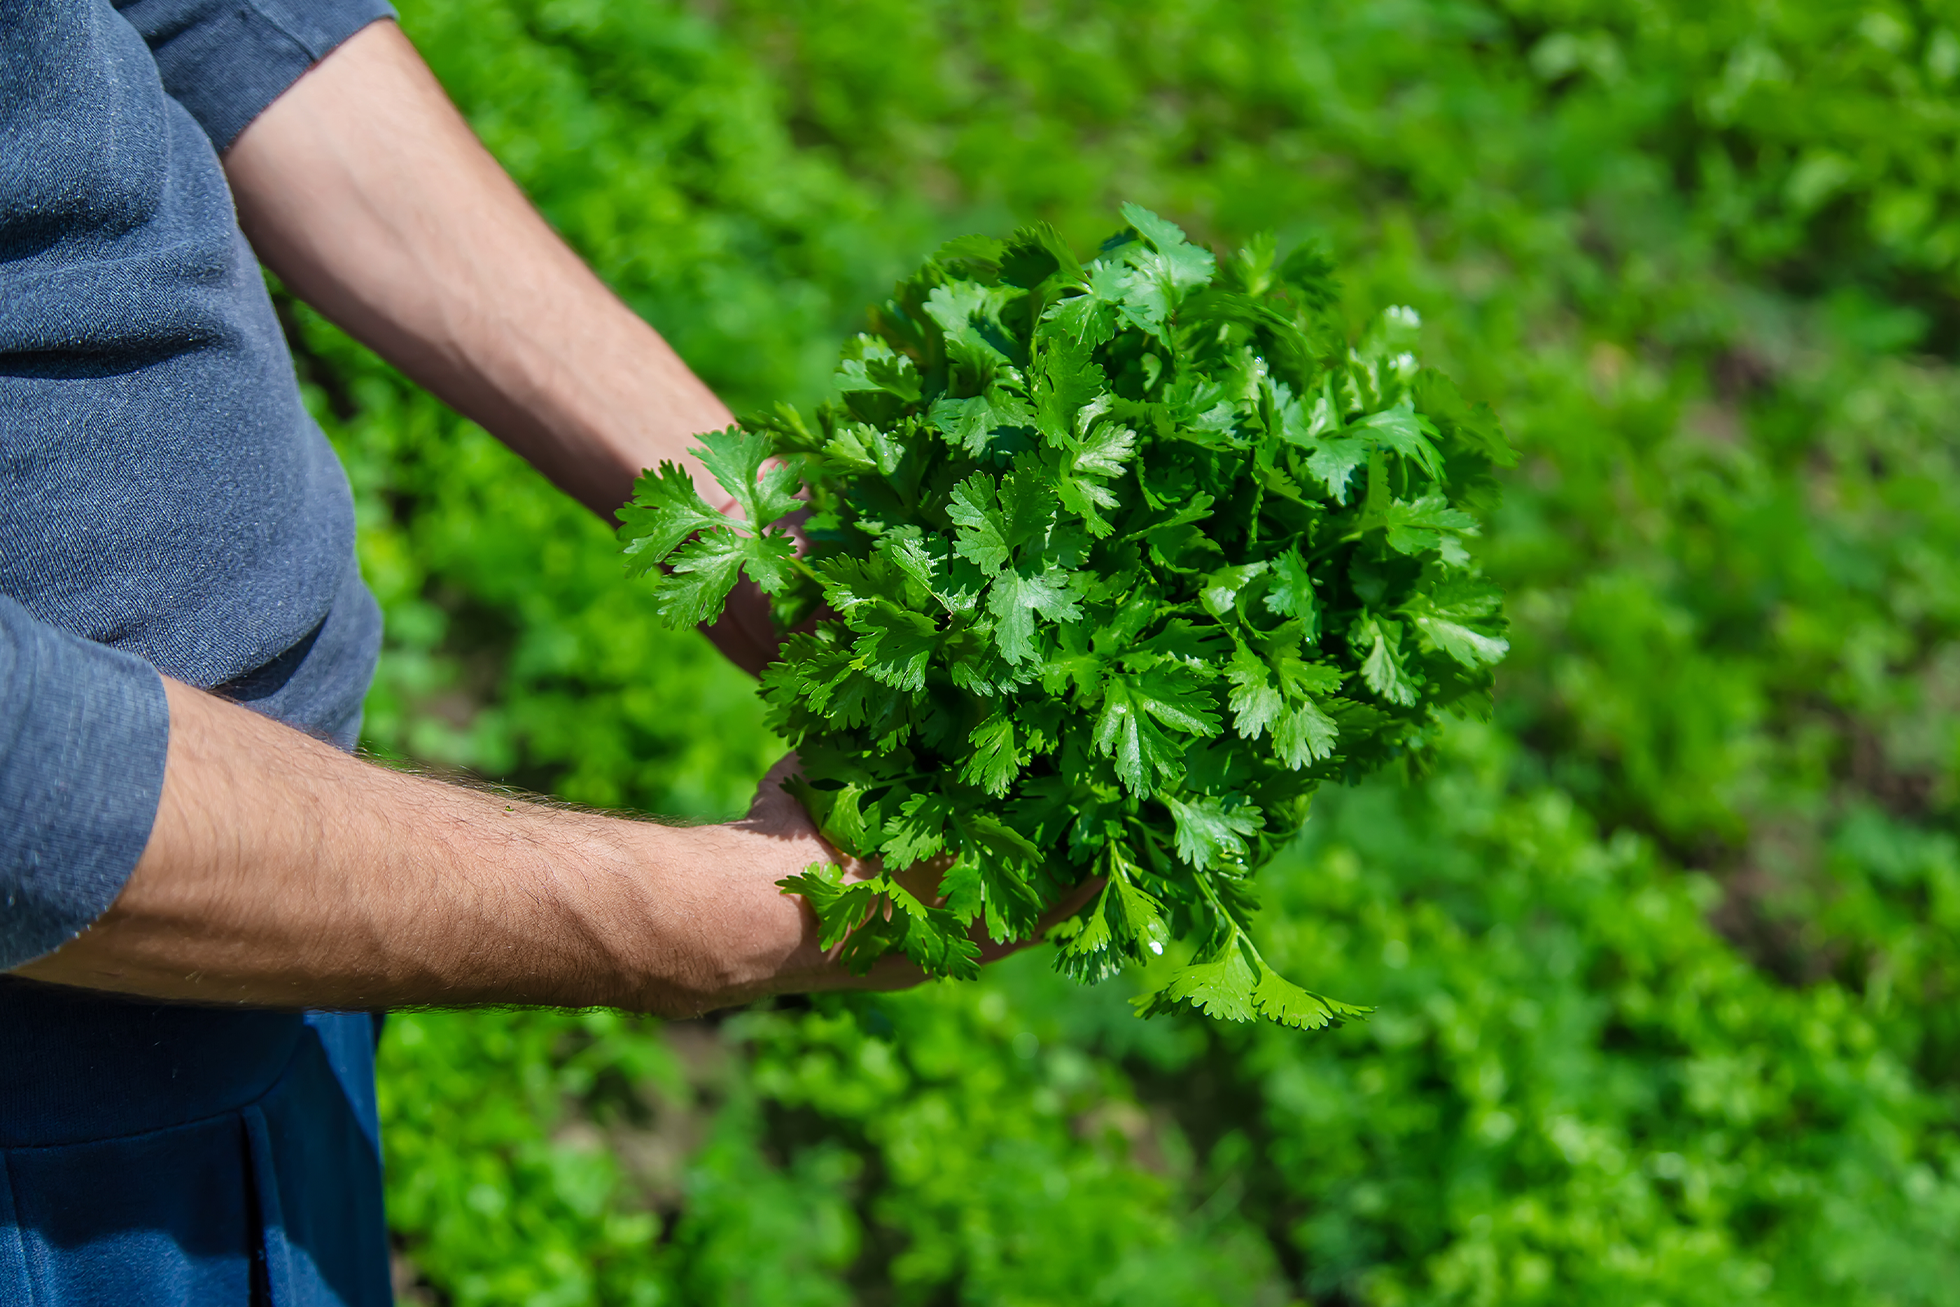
365, 190
283, 872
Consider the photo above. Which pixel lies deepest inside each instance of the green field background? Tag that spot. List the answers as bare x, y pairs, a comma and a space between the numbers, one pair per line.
1666, 955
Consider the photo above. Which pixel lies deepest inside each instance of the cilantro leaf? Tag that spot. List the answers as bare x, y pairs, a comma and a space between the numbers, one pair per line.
1304, 734
1129, 730
1221, 987
975, 509
1467, 645
705, 570
1255, 700
1279, 999
1382, 668
872, 366
1069, 379
1003, 858
665, 510
1276, 695
1334, 460
1017, 597
1177, 697
1180, 265
919, 831
1124, 923
967, 312
972, 422
1443, 617
928, 563
995, 759
1422, 525
844, 823
1402, 431
1088, 319
735, 457
866, 919
1027, 503
1211, 829
1144, 755
1220, 591
1292, 592
896, 644
1093, 595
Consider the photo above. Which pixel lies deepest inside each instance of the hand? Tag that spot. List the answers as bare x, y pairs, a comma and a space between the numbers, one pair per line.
777, 839
281, 872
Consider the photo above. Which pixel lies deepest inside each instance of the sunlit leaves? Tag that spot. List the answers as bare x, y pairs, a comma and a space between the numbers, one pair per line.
1115, 562
1221, 987
1133, 737
1448, 617
1278, 693
704, 552
1016, 599
665, 510
1382, 665
866, 919
704, 570
1210, 829
1291, 594
995, 760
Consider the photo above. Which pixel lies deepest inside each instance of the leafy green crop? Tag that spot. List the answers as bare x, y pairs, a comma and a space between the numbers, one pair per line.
1732, 568
1123, 560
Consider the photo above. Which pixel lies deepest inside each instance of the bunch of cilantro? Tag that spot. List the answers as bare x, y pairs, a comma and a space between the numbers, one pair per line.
1113, 564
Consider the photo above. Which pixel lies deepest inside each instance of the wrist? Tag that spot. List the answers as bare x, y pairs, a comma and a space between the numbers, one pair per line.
706, 927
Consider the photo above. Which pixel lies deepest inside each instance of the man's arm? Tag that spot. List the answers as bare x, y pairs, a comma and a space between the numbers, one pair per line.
279, 871
363, 188
283, 872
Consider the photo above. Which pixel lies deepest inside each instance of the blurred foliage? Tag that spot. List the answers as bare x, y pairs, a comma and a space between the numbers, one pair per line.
1665, 956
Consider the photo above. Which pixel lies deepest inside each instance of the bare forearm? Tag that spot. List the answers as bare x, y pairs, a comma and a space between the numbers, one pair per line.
281, 872
364, 189
366, 192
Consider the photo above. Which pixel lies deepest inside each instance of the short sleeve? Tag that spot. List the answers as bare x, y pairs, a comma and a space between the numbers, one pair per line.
226, 60
84, 731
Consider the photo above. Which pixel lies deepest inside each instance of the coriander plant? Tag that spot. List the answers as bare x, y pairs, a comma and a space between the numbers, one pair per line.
1112, 565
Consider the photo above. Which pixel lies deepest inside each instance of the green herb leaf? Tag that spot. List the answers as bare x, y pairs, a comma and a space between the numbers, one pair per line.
735, 457
1210, 830
1098, 596
1220, 987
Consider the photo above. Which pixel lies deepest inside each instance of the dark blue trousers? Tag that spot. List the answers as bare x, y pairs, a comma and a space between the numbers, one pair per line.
152, 1156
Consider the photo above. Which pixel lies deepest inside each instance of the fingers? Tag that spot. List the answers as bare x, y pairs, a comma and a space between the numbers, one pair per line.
771, 799
1071, 903
1064, 908
776, 813
922, 878
744, 633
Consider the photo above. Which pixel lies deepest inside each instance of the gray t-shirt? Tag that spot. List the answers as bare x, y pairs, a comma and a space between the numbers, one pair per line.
166, 503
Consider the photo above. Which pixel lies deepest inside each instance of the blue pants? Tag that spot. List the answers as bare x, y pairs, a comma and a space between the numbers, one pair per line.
152, 1156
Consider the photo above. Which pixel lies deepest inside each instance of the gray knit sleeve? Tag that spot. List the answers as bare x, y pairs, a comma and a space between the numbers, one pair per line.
83, 734
226, 60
